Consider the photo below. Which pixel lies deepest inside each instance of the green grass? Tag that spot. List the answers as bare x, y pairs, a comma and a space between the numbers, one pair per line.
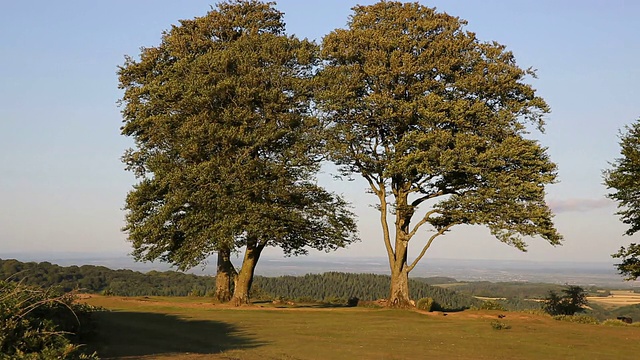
189, 328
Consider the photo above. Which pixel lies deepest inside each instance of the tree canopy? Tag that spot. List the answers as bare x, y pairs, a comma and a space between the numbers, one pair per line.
430, 116
624, 180
226, 144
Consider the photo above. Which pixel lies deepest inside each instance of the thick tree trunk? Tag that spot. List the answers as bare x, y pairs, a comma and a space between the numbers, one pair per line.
399, 297
245, 277
399, 294
225, 276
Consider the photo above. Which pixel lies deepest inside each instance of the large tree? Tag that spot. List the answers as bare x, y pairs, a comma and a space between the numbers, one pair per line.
624, 179
226, 145
431, 117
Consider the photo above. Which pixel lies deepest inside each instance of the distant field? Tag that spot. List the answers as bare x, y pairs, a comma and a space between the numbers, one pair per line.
192, 328
617, 299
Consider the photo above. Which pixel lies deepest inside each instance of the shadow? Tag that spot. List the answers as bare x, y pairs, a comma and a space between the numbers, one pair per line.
270, 304
323, 306
122, 334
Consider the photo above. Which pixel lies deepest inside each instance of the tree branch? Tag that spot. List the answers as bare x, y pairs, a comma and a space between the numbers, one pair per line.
426, 247
385, 226
420, 200
420, 223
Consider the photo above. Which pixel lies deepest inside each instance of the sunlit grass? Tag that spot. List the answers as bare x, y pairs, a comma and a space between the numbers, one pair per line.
193, 328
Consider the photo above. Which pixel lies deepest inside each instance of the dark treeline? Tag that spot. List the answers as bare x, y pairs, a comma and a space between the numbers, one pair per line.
335, 285
316, 287
329, 287
520, 290
100, 279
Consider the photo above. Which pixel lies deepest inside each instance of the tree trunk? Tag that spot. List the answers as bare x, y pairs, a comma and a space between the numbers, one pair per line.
399, 294
245, 277
225, 277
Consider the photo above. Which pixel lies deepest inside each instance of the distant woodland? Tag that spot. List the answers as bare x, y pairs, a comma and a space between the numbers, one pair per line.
331, 287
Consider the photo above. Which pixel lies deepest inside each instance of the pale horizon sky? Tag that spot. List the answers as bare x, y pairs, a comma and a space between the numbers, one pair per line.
62, 185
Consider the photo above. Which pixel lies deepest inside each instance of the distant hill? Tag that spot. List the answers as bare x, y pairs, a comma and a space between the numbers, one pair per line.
320, 287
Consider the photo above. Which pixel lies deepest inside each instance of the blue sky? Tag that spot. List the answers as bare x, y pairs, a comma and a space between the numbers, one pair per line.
62, 185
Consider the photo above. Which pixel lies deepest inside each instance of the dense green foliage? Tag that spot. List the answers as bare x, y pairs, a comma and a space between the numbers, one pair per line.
226, 145
364, 286
426, 304
624, 179
514, 289
40, 323
97, 279
573, 300
315, 287
630, 265
432, 117
321, 287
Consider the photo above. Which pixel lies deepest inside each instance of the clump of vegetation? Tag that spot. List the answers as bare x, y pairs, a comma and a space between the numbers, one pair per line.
426, 304
499, 325
572, 301
581, 319
41, 323
614, 322
492, 305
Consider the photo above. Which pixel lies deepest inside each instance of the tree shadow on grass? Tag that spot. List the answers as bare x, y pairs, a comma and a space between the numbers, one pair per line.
121, 334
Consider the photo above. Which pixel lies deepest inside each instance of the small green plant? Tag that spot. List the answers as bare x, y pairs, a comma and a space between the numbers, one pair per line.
108, 292
614, 322
426, 304
41, 323
499, 325
581, 319
492, 305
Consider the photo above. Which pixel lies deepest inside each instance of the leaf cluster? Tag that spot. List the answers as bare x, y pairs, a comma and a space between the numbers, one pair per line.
624, 178
421, 108
630, 265
572, 301
39, 324
226, 141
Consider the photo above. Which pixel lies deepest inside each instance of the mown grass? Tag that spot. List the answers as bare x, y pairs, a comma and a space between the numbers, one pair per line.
191, 328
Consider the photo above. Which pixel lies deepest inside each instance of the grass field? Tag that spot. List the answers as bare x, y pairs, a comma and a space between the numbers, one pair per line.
191, 328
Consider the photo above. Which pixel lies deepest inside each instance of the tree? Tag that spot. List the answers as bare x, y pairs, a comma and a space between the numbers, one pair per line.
624, 179
574, 300
630, 265
430, 116
226, 145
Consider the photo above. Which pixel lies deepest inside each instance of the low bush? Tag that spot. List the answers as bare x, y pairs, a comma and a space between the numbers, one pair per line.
581, 319
492, 305
41, 324
614, 322
499, 325
426, 304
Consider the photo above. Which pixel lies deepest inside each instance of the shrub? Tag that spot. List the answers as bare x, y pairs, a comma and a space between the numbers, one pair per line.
535, 312
492, 305
305, 299
352, 301
498, 325
614, 322
425, 304
40, 324
574, 300
581, 319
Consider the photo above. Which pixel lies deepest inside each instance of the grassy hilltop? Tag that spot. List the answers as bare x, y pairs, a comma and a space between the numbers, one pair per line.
193, 328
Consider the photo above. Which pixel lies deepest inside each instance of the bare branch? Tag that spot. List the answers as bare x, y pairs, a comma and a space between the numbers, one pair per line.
426, 247
421, 222
385, 226
422, 199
